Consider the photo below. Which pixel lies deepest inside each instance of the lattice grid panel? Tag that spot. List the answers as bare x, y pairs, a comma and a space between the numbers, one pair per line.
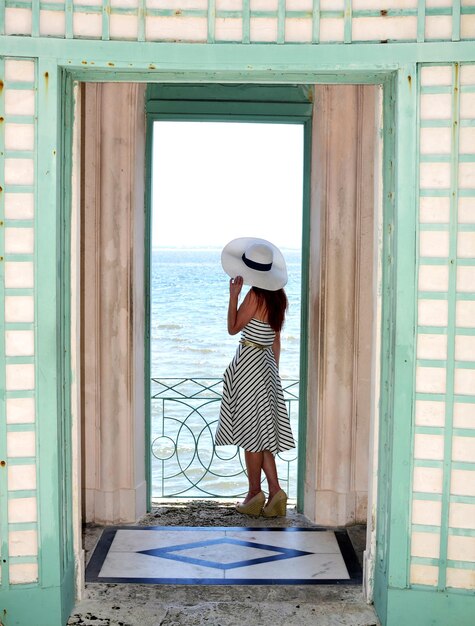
242, 21
18, 515
443, 514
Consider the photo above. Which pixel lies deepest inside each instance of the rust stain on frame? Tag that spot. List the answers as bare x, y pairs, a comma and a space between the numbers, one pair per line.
455, 105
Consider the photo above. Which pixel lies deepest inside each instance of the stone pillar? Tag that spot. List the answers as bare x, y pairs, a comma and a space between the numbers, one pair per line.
112, 293
341, 304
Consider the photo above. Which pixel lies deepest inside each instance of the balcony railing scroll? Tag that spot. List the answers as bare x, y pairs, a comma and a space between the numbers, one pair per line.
185, 462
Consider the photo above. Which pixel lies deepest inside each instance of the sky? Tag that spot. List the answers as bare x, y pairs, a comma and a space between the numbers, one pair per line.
215, 181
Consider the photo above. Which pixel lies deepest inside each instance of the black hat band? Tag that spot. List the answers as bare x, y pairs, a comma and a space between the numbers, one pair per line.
260, 267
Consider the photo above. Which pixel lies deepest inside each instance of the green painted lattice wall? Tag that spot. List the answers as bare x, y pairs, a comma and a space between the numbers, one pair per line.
243, 21
443, 507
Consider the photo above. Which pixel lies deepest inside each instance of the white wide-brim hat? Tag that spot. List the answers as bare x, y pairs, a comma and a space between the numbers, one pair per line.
259, 262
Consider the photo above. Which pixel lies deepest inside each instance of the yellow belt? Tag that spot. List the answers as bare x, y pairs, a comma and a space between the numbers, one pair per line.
252, 344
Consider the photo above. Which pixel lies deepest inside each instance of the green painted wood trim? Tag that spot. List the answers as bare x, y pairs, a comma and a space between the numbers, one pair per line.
148, 301
420, 495
142, 11
293, 62
463, 499
281, 22
304, 317
426, 608
35, 18
383, 516
421, 20
27, 427
3, 417
66, 124
405, 323
348, 22
68, 17
19, 326
242, 92
56, 561
452, 288
226, 110
296, 103
211, 21
246, 21
455, 20
106, 10
316, 21
22, 493
25, 605
47, 342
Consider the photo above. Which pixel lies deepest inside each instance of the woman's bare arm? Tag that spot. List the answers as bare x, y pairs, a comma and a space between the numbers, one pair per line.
276, 348
239, 317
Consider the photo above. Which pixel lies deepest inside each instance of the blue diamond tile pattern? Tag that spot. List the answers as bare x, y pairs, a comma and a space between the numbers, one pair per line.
173, 553
223, 556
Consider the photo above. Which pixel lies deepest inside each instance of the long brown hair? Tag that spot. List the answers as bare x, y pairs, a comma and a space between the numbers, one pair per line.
276, 304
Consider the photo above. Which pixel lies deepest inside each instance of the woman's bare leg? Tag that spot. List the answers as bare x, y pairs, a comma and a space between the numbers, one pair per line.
270, 470
254, 462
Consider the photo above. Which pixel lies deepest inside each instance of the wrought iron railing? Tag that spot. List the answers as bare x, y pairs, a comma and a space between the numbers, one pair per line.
185, 462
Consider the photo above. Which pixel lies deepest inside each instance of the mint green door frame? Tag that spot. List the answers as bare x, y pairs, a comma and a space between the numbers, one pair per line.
393, 65
398, 303
396, 98
270, 104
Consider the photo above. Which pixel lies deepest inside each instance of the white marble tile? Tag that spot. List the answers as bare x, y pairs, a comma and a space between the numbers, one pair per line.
135, 540
134, 565
226, 553
311, 541
227, 547
313, 567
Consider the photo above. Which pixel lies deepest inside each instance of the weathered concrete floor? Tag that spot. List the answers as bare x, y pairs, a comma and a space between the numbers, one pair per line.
214, 605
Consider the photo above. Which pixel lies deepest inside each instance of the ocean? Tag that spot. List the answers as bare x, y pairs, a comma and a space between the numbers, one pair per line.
189, 340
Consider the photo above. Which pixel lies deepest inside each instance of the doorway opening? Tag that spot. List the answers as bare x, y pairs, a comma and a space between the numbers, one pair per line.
213, 182
118, 215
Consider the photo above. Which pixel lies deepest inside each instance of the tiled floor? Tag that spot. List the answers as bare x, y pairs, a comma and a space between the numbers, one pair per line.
223, 556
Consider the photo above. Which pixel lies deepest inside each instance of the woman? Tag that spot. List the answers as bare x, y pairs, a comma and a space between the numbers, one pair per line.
253, 413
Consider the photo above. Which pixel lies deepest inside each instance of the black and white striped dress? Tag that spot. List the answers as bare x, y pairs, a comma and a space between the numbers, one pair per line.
253, 414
